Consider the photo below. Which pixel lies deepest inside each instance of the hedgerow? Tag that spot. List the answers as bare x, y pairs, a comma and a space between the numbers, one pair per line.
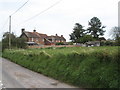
89, 67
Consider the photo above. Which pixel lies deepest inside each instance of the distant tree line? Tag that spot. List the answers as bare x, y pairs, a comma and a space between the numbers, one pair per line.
92, 33
16, 42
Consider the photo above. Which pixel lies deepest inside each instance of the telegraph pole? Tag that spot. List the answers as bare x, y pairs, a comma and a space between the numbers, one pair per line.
9, 32
10, 22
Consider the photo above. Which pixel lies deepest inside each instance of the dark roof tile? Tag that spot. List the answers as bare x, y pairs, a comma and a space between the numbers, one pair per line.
56, 37
40, 35
35, 35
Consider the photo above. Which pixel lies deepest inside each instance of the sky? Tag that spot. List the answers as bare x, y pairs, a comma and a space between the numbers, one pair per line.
59, 19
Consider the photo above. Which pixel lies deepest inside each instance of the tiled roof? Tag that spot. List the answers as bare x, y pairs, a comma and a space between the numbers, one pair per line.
43, 35
56, 37
63, 38
35, 35
40, 35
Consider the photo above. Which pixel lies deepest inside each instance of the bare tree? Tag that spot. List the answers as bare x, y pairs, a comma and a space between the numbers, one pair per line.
115, 33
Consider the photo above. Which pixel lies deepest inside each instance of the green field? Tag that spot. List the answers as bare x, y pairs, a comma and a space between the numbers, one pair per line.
88, 67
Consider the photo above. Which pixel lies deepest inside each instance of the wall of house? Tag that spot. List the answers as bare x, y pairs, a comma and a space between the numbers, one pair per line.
36, 40
57, 41
41, 41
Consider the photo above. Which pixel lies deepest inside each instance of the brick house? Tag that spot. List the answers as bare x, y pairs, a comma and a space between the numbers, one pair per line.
41, 39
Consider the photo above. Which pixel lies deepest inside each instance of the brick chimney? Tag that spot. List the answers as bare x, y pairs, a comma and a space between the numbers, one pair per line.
61, 35
34, 30
56, 34
22, 30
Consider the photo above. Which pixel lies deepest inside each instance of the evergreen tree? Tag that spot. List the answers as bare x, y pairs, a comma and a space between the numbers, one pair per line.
96, 28
77, 33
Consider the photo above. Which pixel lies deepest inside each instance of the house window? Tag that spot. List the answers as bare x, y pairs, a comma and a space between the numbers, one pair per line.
32, 39
36, 39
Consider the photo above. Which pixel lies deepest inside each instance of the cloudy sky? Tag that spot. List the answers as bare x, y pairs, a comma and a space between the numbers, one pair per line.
59, 19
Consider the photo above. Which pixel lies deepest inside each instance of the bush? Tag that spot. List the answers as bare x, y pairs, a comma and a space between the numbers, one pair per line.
16, 42
107, 43
60, 43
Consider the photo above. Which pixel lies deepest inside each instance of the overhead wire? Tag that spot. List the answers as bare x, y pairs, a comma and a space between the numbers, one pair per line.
20, 7
4, 23
2, 29
39, 12
14, 13
43, 10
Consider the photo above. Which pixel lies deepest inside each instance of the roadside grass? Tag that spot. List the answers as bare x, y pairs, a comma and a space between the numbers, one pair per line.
89, 67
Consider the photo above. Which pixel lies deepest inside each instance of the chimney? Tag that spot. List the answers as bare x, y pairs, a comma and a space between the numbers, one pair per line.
61, 35
22, 30
34, 30
56, 34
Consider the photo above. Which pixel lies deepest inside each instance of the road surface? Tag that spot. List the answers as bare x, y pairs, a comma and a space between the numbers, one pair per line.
15, 76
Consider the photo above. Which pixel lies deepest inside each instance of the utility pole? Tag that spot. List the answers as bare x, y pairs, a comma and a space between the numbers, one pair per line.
9, 32
10, 23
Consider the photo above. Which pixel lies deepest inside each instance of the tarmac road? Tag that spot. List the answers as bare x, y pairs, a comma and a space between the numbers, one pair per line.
15, 76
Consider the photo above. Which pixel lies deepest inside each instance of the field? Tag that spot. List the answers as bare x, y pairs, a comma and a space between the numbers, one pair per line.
88, 67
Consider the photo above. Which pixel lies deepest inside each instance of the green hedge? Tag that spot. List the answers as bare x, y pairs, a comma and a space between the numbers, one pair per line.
95, 67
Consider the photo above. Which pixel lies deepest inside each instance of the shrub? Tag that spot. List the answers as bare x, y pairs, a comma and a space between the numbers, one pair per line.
60, 43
